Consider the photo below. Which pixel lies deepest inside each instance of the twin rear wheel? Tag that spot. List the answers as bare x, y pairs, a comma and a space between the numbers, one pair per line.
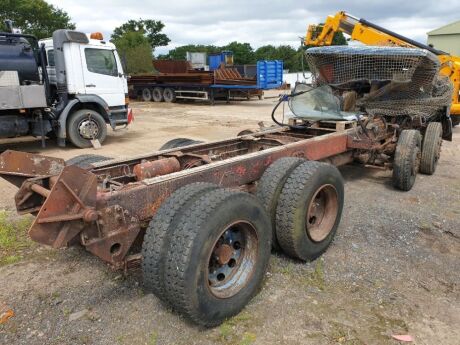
414, 154
304, 200
206, 250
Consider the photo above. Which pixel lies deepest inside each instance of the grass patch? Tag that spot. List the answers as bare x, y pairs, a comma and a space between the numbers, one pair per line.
230, 332
13, 237
302, 273
153, 339
248, 338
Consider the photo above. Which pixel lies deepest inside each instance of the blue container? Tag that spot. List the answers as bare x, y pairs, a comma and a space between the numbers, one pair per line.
216, 59
269, 74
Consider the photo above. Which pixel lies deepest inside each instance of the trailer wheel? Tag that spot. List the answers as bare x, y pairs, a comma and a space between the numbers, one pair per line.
157, 94
157, 235
146, 95
407, 159
218, 256
85, 161
179, 142
84, 125
309, 210
269, 188
431, 148
169, 95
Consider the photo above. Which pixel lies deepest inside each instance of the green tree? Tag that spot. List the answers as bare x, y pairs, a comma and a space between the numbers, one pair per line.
35, 17
339, 39
149, 28
135, 51
242, 53
290, 56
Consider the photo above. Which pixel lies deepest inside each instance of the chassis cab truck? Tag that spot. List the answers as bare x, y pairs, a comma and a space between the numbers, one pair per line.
68, 87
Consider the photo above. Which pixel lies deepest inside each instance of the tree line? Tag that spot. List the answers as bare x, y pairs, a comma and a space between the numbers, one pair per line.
136, 40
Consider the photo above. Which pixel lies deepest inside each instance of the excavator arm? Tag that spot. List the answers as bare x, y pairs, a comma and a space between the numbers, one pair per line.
371, 34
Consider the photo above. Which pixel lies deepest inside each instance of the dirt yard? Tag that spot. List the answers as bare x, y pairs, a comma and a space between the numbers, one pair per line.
392, 269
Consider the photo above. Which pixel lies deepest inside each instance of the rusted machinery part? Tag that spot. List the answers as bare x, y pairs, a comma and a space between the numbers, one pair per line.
6, 313
158, 167
105, 207
68, 206
25, 165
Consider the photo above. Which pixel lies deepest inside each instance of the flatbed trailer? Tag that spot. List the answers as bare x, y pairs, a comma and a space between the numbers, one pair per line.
187, 214
171, 92
222, 83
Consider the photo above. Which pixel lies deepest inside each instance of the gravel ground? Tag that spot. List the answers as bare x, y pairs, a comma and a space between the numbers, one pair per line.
392, 269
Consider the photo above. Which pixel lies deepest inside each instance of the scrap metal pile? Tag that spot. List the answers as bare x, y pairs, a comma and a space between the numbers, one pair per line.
388, 81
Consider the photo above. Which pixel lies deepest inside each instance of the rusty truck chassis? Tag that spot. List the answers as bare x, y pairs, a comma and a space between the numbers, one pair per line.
107, 206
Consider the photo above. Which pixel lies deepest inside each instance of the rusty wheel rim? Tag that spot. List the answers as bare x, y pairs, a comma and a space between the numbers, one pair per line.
322, 213
232, 260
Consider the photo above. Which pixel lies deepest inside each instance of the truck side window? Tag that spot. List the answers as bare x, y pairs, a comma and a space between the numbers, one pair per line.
101, 61
51, 58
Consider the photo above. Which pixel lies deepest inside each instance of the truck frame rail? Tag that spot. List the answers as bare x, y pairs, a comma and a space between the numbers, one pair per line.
106, 207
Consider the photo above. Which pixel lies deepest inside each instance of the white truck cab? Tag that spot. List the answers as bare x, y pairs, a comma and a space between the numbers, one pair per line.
93, 68
68, 87
90, 72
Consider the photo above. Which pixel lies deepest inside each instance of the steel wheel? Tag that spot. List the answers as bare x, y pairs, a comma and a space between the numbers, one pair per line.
322, 213
232, 260
85, 125
88, 128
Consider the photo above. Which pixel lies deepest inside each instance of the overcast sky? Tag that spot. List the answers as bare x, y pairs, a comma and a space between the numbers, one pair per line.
255, 21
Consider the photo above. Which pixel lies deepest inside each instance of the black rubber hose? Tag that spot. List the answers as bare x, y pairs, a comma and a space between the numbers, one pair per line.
285, 98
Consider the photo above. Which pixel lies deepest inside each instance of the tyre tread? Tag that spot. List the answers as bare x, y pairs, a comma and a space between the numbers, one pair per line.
430, 147
158, 232
269, 188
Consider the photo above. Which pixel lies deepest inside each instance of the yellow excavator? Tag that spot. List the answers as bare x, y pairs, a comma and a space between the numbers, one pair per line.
371, 34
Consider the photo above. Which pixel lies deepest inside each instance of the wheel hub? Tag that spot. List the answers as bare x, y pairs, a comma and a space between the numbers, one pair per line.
224, 253
88, 128
322, 213
232, 260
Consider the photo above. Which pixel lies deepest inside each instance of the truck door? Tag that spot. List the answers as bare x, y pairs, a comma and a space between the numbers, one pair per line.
103, 75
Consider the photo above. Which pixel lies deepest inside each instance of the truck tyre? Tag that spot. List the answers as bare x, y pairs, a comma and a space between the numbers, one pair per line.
407, 159
218, 256
157, 94
157, 235
269, 188
309, 210
455, 120
431, 148
179, 142
245, 132
146, 95
169, 95
85, 161
84, 125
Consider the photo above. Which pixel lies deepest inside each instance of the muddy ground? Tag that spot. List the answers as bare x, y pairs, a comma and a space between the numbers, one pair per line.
392, 269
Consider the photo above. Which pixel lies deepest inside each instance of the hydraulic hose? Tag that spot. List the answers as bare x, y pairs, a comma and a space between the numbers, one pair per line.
285, 98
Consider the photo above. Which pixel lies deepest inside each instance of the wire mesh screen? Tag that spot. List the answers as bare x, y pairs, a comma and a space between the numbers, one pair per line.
382, 80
